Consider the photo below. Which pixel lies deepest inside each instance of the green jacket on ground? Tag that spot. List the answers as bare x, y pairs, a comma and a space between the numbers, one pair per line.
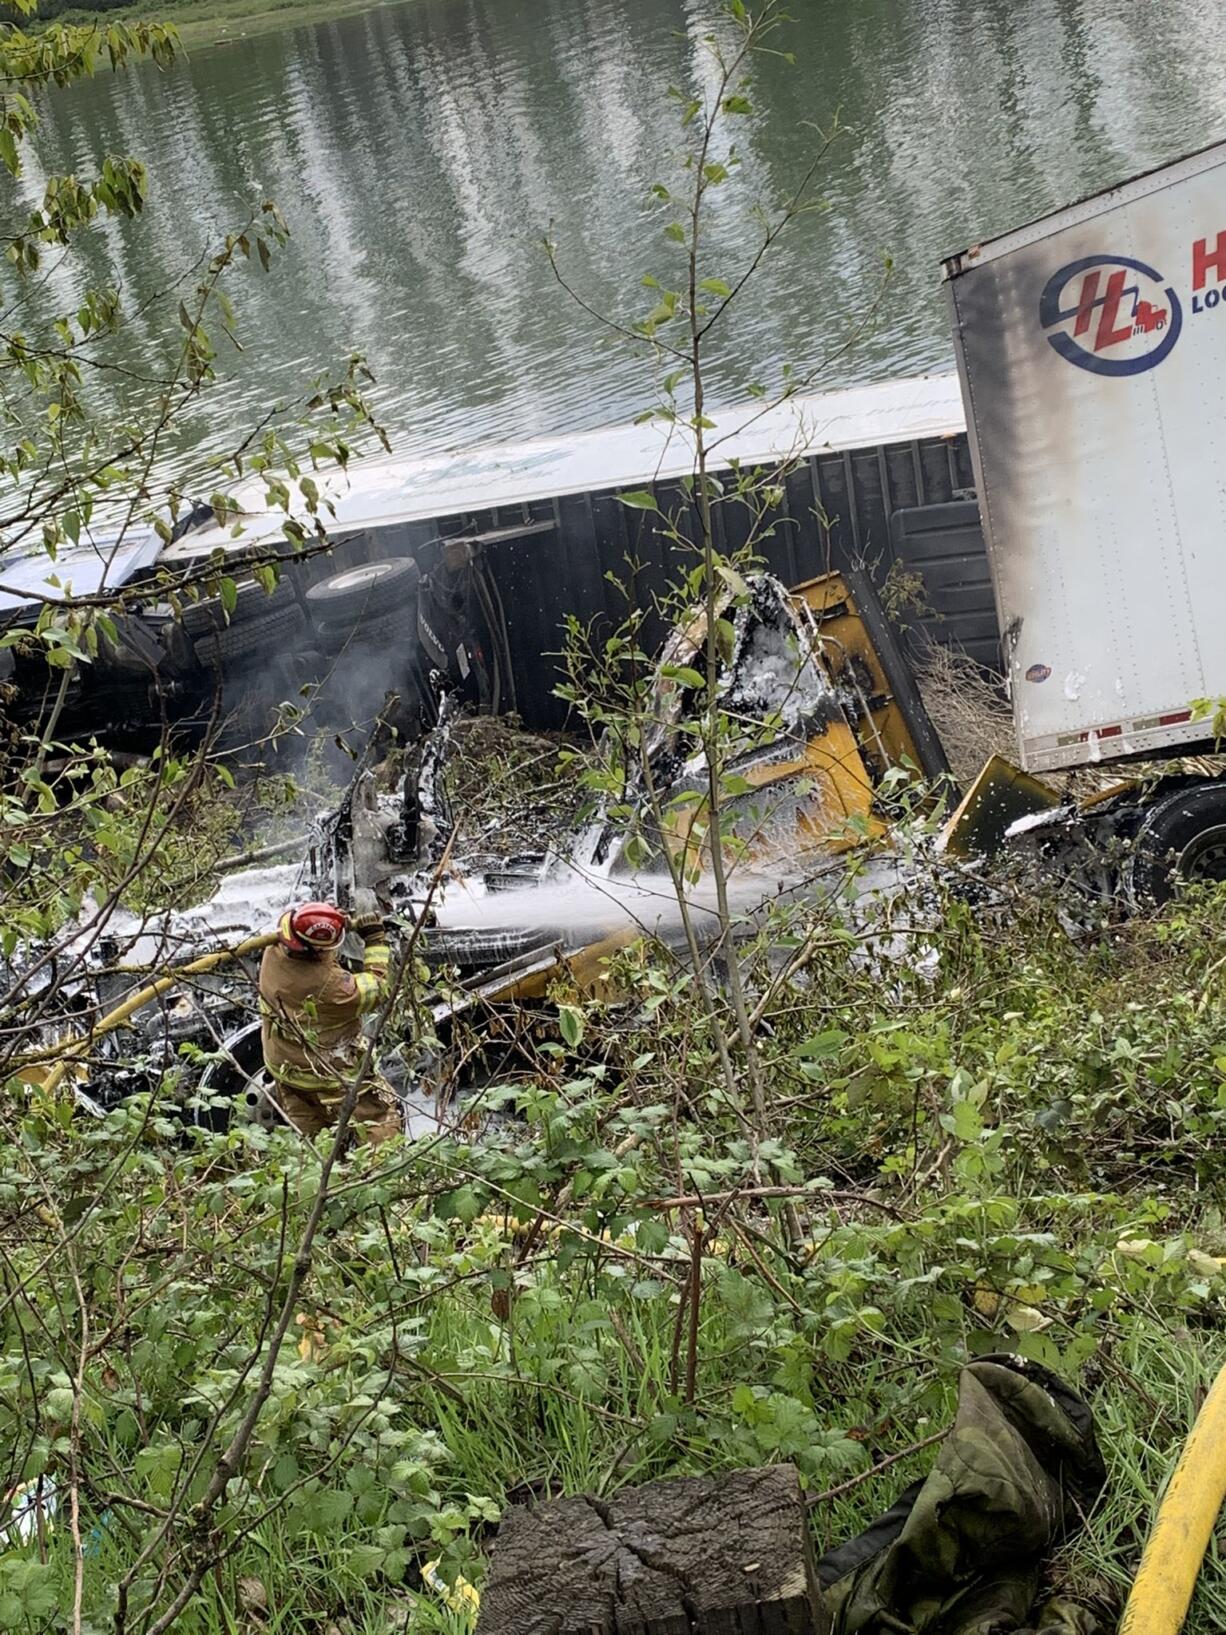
961, 1552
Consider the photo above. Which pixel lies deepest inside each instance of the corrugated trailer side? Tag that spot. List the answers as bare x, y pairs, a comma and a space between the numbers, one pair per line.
904, 504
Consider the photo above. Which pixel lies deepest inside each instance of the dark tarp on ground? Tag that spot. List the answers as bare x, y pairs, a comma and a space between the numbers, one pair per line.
960, 1553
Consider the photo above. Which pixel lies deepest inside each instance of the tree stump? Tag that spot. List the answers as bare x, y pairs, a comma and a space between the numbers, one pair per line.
720, 1555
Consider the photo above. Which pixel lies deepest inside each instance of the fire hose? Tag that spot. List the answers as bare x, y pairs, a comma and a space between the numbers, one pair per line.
70, 1050
1166, 1578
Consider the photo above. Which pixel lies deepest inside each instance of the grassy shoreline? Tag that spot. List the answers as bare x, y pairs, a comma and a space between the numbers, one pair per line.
206, 23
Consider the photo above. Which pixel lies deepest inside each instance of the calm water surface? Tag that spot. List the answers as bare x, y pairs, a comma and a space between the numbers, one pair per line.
420, 153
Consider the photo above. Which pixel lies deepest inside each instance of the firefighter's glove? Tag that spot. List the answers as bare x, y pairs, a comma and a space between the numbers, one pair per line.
369, 927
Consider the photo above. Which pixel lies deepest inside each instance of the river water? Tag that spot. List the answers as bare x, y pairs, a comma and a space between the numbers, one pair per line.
421, 152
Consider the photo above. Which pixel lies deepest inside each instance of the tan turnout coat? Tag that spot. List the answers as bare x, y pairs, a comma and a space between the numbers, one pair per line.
311, 1012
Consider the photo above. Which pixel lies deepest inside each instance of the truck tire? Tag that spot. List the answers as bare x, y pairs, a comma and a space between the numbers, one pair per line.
376, 587
1181, 837
382, 629
273, 630
208, 615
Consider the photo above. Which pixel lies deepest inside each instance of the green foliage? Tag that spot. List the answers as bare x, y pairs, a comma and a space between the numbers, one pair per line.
199, 22
55, 8
1213, 711
446, 1355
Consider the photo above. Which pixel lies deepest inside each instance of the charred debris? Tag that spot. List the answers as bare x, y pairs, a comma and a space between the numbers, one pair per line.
511, 889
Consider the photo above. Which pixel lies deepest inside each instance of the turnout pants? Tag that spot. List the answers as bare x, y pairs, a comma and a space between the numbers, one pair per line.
376, 1117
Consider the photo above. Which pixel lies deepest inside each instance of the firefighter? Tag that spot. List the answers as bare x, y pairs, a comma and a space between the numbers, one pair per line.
311, 1011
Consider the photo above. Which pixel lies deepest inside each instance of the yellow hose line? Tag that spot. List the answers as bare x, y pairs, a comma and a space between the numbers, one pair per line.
68, 1049
1183, 1526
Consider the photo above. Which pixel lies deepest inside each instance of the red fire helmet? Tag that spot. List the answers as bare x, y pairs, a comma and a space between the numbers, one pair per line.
316, 925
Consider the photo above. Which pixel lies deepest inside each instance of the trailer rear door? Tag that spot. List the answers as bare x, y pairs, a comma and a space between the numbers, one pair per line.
1092, 355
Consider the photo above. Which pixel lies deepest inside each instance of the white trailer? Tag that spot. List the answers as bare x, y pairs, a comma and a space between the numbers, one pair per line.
1091, 349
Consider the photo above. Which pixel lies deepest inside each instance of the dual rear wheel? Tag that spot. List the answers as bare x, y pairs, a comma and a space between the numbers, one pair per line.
1182, 837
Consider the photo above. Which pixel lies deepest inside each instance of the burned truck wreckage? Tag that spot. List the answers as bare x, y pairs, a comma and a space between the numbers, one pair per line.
823, 734
837, 764
447, 586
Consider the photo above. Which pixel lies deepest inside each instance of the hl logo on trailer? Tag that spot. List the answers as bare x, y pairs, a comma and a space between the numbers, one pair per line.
1110, 314
1090, 354
1115, 315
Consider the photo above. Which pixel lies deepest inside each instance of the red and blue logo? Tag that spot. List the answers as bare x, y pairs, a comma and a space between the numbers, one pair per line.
1110, 314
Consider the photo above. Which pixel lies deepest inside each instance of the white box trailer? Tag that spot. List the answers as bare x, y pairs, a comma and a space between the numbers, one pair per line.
1091, 348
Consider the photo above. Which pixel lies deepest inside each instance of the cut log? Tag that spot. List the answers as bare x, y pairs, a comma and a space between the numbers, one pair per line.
720, 1555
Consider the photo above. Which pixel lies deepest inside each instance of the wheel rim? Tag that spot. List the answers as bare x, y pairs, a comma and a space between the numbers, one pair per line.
1203, 859
237, 1073
369, 573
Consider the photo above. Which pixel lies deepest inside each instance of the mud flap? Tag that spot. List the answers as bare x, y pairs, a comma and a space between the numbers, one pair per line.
999, 796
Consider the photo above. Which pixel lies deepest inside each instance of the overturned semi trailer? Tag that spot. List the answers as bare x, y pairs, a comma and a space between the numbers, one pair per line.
470, 564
